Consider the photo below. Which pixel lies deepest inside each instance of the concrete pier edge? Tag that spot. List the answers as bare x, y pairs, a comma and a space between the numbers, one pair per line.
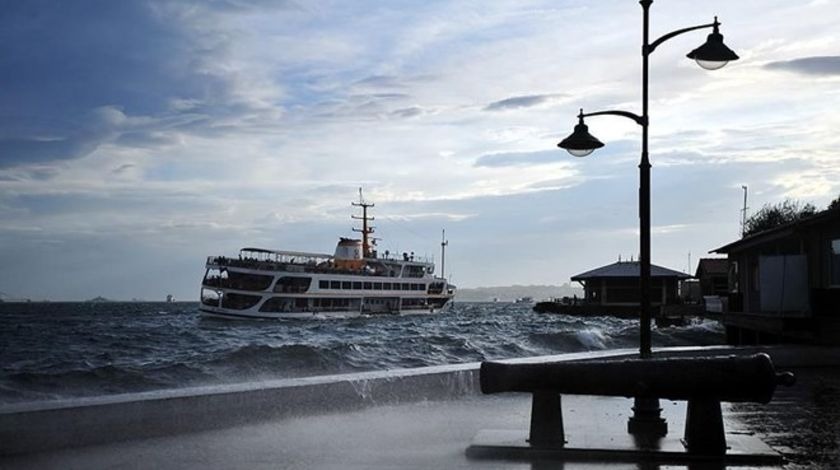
51, 425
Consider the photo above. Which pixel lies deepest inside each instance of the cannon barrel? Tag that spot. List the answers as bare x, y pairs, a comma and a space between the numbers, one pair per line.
732, 379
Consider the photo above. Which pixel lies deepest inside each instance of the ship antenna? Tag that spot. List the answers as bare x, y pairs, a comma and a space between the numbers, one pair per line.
366, 229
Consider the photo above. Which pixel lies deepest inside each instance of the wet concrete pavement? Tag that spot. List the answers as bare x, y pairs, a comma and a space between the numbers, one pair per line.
801, 423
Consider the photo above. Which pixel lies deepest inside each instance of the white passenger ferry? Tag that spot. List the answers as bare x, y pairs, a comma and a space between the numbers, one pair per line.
353, 281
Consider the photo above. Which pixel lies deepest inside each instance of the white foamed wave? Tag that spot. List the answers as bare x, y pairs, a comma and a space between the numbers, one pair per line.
592, 338
698, 332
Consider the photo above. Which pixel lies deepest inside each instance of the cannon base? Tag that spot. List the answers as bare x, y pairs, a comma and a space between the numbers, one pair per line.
620, 447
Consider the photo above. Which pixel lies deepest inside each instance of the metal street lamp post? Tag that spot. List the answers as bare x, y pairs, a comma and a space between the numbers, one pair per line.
712, 55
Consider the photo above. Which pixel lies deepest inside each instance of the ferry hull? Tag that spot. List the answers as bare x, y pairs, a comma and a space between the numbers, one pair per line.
223, 314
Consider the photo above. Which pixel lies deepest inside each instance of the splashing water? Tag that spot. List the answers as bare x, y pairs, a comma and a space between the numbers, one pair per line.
592, 338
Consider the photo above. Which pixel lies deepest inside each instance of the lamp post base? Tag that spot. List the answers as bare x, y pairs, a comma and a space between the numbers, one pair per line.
647, 420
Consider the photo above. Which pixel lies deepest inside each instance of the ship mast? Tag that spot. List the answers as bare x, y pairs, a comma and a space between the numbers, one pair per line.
366, 229
443, 243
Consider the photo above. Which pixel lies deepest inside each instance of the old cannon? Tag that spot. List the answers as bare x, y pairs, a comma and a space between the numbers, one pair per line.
704, 382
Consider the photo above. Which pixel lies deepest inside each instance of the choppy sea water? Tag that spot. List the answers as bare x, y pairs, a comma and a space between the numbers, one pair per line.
59, 350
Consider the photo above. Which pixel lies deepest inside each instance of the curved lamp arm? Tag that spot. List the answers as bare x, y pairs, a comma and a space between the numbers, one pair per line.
652, 46
635, 117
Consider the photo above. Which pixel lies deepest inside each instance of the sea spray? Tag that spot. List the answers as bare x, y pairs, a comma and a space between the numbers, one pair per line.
363, 388
592, 338
463, 382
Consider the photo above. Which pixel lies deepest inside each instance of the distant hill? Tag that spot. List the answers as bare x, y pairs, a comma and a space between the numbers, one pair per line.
99, 299
511, 293
4, 297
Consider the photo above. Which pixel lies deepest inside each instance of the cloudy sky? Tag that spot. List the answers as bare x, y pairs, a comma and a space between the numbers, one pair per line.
139, 137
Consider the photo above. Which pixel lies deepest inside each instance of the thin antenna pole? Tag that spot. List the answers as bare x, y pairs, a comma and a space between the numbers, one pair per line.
744, 213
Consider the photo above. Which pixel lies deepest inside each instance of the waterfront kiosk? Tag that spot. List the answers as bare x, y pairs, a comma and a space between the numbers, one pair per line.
785, 283
617, 285
713, 275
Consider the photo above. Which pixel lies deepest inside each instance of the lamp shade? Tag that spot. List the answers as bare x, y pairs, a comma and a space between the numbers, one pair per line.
580, 143
713, 54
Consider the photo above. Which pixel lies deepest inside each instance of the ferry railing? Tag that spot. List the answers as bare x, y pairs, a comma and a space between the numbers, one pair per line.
268, 265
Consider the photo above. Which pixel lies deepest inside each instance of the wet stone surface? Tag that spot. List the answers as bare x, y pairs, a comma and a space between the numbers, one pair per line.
802, 422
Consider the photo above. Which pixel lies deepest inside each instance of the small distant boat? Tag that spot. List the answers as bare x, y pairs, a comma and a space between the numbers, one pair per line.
354, 281
524, 300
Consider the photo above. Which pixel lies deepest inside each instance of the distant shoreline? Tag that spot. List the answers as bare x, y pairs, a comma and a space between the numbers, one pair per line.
108, 301
468, 294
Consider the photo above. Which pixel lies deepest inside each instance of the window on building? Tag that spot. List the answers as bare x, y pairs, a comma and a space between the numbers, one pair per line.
345, 284
368, 286
335, 284
323, 284
734, 281
377, 286
835, 262
357, 285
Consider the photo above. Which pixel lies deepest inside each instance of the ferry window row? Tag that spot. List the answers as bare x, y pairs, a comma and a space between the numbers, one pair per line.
358, 285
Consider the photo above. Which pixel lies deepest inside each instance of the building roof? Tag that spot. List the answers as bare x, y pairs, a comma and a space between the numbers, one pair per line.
628, 269
712, 266
782, 231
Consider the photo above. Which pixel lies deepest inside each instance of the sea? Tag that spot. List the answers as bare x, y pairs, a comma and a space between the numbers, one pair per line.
56, 350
